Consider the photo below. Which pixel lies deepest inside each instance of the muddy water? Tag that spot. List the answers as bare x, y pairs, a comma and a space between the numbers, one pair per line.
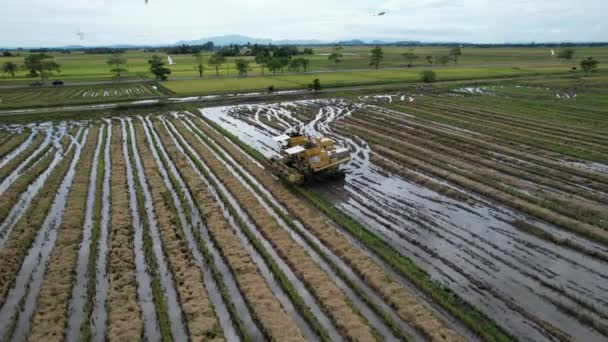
363, 308
21, 299
306, 296
99, 314
142, 274
11, 155
10, 179
520, 281
178, 330
209, 282
79, 290
26, 198
255, 256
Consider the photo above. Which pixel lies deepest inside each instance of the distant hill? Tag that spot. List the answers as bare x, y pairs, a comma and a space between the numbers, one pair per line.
242, 40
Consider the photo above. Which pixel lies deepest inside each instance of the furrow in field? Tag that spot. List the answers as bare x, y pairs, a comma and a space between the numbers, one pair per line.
300, 258
17, 144
96, 313
543, 163
201, 321
501, 177
20, 303
359, 268
11, 170
124, 315
19, 197
252, 275
50, 318
143, 272
578, 133
394, 149
233, 314
164, 274
88, 222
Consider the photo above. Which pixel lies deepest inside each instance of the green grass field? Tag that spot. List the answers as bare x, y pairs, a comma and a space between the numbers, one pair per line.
78, 66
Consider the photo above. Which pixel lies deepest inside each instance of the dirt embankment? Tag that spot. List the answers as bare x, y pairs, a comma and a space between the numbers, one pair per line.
50, 318
265, 308
330, 297
200, 317
406, 303
15, 162
124, 320
24, 233
13, 143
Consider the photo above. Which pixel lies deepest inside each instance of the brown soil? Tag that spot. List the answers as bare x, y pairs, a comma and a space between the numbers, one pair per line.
405, 302
13, 143
124, 318
200, 317
50, 318
265, 308
13, 164
25, 230
330, 297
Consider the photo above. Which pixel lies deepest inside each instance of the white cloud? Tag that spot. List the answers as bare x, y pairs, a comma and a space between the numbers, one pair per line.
55, 22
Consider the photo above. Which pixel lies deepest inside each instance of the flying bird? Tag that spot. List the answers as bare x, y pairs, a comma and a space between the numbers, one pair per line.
380, 14
80, 34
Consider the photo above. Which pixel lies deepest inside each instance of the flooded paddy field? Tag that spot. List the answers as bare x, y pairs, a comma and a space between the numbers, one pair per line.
157, 227
499, 194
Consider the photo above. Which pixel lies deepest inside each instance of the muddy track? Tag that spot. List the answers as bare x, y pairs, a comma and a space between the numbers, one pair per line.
79, 289
246, 265
273, 228
52, 307
98, 285
173, 307
143, 274
11, 170
206, 257
20, 303
319, 230
15, 145
124, 318
199, 316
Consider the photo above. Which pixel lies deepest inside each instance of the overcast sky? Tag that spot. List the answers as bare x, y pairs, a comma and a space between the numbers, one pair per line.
56, 22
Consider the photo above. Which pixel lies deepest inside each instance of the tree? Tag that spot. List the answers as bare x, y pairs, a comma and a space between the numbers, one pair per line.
315, 85
157, 67
428, 76
308, 51
376, 57
118, 64
429, 59
274, 64
566, 54
336, 55
242, 66
262, 59
410, 57
443, 60
216, 60
199, 65
9, 68
455, 53
40, 64
298, 64
589, 65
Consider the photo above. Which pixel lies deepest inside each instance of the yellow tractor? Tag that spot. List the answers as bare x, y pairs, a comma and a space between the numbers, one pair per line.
304, 159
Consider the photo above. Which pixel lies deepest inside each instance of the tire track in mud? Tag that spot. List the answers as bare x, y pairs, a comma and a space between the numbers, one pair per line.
97, 318
175, 316
235, 239
358, 271
76, 313
271, 230
210, 281
27, 158
124, 316
477, 295
199, 316
13, 147
26, 198
53, 300
17, 310
142, 273
322, 256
